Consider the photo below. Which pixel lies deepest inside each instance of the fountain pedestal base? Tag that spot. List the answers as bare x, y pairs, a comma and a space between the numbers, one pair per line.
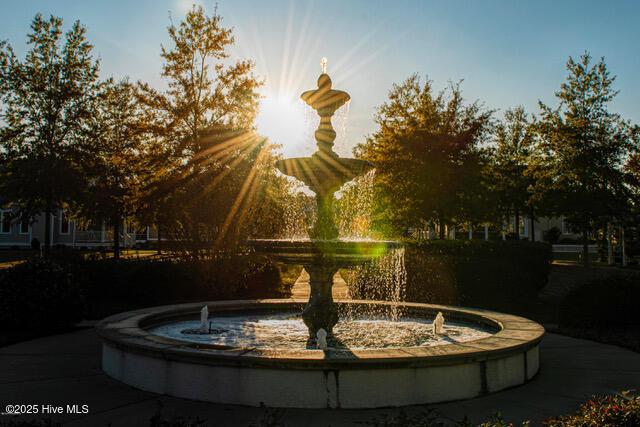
321, 312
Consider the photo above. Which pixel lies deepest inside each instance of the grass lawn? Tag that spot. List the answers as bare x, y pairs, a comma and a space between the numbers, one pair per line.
9, 258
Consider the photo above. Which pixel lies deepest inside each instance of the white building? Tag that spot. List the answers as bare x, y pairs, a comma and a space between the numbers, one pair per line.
16, 233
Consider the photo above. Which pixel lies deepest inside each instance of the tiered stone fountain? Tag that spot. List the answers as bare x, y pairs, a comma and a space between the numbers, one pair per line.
324, 173
258, 353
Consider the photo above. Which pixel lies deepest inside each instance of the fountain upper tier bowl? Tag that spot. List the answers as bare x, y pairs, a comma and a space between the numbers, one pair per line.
228, 372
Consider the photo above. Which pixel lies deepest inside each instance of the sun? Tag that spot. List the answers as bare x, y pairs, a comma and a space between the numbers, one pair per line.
282, 119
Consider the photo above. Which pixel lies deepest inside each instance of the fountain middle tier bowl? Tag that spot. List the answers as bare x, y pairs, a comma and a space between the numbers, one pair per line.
324, 173
256, 353
337, 252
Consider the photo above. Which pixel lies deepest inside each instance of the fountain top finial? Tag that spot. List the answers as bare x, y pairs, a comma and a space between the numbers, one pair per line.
323, 65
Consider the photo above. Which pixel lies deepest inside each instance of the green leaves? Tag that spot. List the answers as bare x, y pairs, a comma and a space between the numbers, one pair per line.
582, 148
509, 176
46, 98
203, 91
428, 156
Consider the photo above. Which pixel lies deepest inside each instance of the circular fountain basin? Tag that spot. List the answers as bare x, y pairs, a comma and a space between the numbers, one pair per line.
246, 360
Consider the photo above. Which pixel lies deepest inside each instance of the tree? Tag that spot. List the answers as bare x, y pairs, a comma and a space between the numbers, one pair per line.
203, 92
509, 176
114, 163
216, 171
46, 99
582, 148
429, 157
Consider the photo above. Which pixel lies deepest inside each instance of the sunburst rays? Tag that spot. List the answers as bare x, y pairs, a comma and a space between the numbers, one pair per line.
287, 64
243, 200
304, 32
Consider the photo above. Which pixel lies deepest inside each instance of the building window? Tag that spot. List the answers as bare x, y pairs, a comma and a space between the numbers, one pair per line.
64, 223
5, 219
24, 226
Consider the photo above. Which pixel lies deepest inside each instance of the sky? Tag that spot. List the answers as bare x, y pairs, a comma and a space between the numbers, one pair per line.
506, 52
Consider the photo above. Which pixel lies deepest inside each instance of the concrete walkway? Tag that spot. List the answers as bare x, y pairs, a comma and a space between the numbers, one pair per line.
65, 370
566, 276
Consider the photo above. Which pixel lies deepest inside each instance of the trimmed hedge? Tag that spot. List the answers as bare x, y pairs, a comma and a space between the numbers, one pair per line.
114, 286
502, 275
39, 294
63, 291
609, 303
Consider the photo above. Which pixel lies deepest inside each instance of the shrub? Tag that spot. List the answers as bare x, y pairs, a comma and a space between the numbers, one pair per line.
617, 410
552, 235
56, 292
39, 294
112, 286
610, 302
35, 244
503, 275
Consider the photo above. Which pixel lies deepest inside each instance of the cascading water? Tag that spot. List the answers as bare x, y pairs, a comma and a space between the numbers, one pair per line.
384, 278
300, 216
353, 217
355, 208
340, 121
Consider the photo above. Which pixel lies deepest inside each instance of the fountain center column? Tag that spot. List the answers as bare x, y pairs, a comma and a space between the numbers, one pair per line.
321, 311
325, 227
325, 134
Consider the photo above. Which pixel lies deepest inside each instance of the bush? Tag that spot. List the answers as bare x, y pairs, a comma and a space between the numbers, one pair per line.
503, 275
39, 294
617, 410
113, 286
57, 292
552, 235
610, 303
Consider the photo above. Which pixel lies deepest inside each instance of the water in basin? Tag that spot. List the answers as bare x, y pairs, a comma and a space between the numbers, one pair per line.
287, 331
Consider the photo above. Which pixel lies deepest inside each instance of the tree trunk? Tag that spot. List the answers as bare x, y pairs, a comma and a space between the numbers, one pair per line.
47, 226
116, 239
609, 245
585, 248
532, 230
624, 252
517, 224
441, 230
159, 247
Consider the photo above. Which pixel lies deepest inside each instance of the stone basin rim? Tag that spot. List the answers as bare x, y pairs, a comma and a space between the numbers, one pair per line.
129, 331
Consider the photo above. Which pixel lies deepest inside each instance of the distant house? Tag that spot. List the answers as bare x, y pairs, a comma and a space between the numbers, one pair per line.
541, 226
567, 242
18, 233
493, 232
